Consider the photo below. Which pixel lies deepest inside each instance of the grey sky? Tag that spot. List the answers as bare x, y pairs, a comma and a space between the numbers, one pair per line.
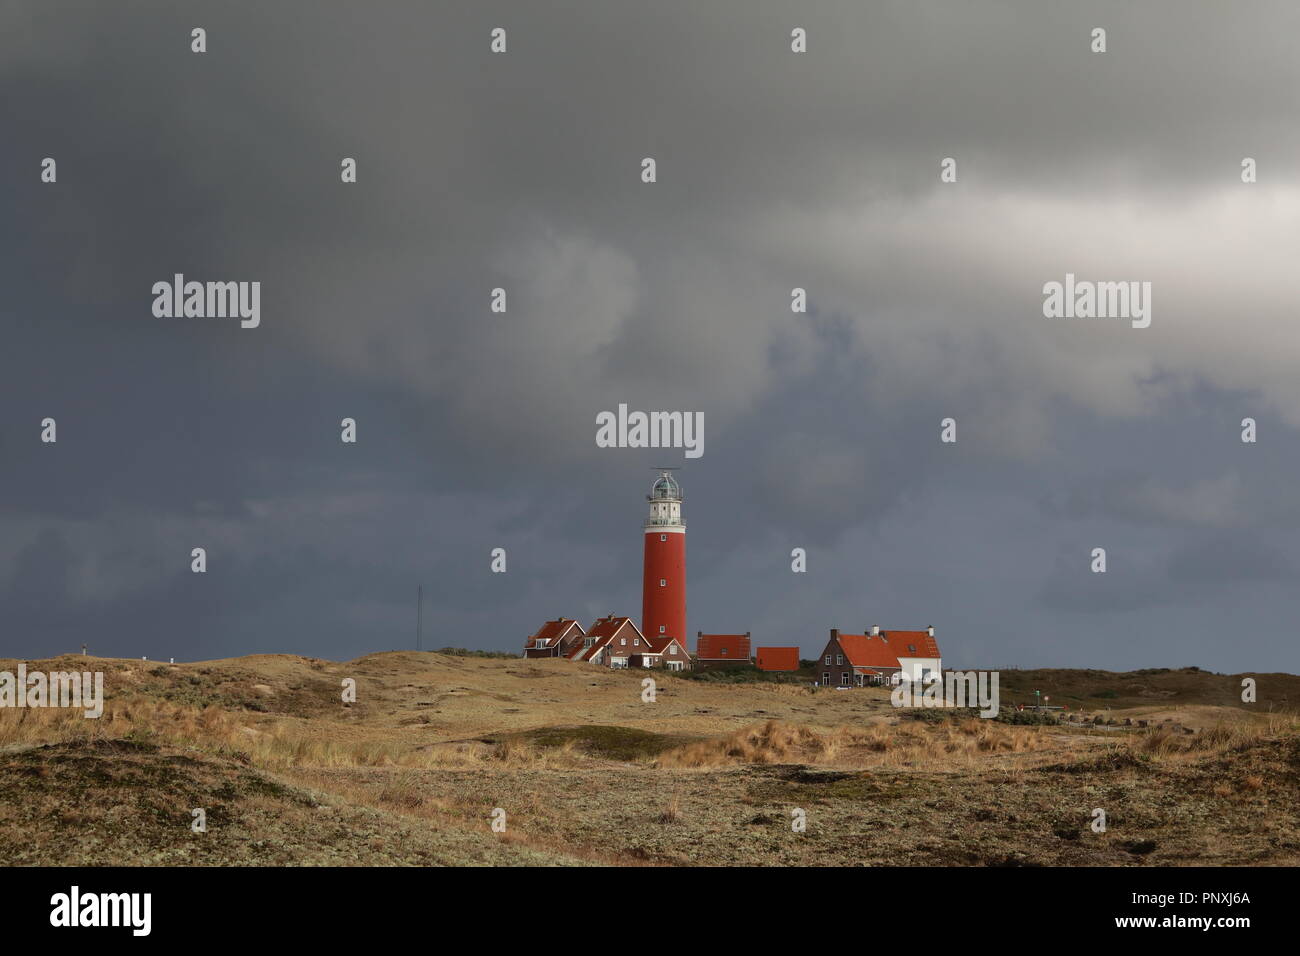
776, 170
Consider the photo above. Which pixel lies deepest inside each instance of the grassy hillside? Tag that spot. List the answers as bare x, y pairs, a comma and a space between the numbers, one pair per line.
587, 771
1093, 690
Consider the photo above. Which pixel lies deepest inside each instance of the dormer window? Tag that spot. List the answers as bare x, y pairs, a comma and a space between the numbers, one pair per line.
911, 648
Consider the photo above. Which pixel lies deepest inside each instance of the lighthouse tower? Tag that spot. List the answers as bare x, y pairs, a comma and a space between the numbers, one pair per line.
663, 587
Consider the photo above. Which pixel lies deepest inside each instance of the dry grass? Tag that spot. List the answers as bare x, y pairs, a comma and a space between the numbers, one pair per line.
279, 743
589, 773
1167, 743
131, 717
272, 743
672, 810
925, 746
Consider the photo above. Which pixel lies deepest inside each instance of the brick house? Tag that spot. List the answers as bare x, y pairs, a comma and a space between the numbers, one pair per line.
714, 651
555, 639
777, 658
666, 652
878, 657
611, 642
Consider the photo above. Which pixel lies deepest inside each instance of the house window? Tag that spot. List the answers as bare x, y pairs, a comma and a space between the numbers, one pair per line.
826, 678
663, 583
911, 648
828, 660
723, 652
839, 659
844, 678
623, 641
636, 642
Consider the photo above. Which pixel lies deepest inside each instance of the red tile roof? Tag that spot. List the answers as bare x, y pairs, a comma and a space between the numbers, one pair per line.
609, 626
863, 650
548, 632
903, 642
584, 653
659, 643
777, 658
722, 647
601, 633
885, 648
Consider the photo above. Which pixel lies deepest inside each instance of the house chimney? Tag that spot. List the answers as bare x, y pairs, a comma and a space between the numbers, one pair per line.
875, 630
835, 633
930, 630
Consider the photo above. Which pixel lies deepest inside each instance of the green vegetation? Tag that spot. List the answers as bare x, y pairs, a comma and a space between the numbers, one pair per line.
938, 715
602, 740
466, 652
1026, 717
1092, 689
743, 675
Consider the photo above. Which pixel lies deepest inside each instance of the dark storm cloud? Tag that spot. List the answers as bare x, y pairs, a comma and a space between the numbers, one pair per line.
476, 430
1196, 573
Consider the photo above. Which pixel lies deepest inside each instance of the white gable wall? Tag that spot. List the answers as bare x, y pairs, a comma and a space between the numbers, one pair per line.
919, 668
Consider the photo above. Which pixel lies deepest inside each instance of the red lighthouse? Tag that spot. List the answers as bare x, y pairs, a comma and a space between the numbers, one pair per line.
663, 588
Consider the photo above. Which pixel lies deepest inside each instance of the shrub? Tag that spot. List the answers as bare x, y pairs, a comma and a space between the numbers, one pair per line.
466, 652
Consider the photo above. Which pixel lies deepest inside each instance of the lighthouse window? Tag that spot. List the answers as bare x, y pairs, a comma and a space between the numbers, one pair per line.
663, 583
662, 628
663, 537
